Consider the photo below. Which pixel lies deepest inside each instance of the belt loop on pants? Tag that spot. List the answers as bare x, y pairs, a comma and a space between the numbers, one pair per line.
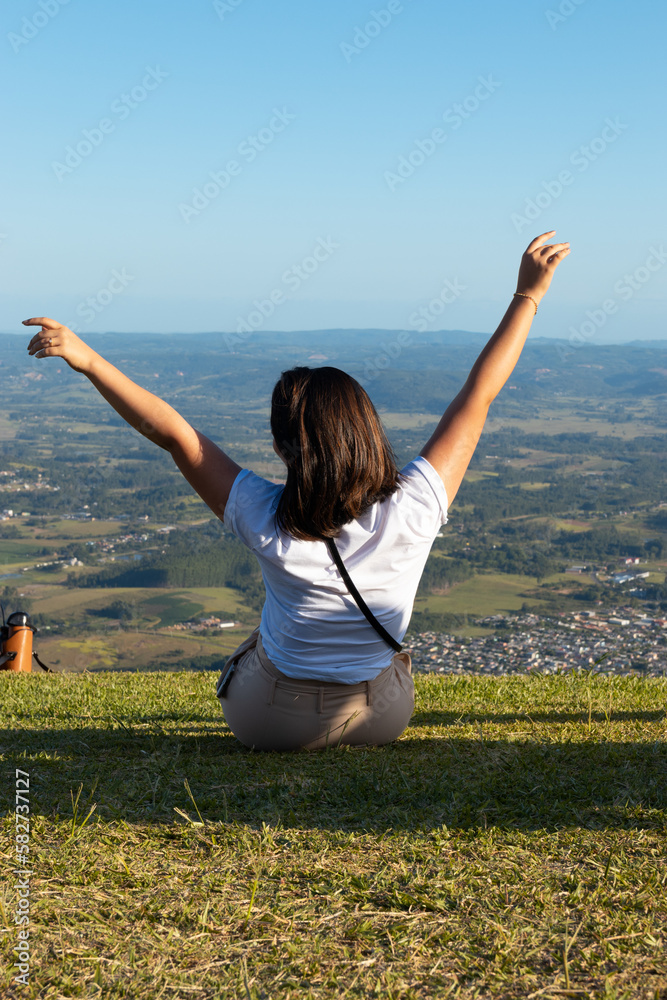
320, 700
368, 694
272, 690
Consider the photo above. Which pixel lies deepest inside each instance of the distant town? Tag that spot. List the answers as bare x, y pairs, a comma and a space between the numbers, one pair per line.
527, 643
604, 642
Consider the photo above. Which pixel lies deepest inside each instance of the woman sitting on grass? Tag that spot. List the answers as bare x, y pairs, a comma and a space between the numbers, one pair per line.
321, 669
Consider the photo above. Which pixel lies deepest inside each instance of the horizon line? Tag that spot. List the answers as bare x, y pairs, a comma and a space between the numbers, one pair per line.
352, 329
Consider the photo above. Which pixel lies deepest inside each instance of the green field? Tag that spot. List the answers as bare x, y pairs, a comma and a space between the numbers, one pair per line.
56, 600
489, 594
564, 421
148, 639
476, 475
170, 608
7, 428
66, 530
534, 486
18, 551
510, 845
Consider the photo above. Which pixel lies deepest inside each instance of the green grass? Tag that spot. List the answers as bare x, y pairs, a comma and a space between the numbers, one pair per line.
510, 845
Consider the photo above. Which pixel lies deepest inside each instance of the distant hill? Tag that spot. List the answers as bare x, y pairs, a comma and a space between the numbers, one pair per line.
404, 370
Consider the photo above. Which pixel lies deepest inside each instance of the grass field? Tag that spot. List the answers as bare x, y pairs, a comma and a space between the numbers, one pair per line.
488, 594
171, 608
59, 532
567, 421
475, 476
511, 844
19, 551
7, 428
62, 601
134, 650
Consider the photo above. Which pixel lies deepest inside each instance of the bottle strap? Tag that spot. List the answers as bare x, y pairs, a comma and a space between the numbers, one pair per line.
43, 665
363, 607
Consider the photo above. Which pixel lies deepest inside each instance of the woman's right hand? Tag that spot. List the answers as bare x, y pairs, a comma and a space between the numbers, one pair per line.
56, 341
538, 265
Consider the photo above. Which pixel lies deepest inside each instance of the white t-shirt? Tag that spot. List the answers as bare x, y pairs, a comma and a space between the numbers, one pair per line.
311, 626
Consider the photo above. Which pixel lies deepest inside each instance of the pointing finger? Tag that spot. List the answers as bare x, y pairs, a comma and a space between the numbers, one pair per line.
48, 324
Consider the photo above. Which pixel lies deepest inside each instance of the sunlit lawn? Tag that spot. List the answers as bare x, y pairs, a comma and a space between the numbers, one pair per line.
510, 845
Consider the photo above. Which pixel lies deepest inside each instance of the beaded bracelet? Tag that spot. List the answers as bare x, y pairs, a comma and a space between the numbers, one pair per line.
524, 296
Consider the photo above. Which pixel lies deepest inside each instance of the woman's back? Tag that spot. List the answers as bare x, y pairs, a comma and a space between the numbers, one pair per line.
311, 627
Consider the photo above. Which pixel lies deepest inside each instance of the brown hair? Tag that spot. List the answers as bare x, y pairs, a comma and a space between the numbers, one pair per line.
339, 461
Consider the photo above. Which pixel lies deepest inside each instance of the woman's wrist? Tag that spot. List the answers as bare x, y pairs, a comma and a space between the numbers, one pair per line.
85, 365
531, 299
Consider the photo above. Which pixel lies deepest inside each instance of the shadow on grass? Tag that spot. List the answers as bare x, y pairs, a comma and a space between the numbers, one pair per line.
439, 718
537, 780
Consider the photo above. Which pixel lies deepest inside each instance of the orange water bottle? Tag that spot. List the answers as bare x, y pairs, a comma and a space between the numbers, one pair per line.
16, 643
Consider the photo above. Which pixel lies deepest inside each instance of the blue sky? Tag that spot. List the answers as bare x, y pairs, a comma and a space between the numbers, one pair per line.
369, 161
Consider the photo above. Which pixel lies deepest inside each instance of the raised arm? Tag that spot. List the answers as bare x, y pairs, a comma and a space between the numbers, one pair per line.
205, 466
452, 444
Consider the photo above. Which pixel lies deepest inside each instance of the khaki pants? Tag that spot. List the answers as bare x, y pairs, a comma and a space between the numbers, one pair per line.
266, 710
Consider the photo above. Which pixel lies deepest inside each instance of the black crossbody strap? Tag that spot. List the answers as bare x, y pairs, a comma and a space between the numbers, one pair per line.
363, 607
